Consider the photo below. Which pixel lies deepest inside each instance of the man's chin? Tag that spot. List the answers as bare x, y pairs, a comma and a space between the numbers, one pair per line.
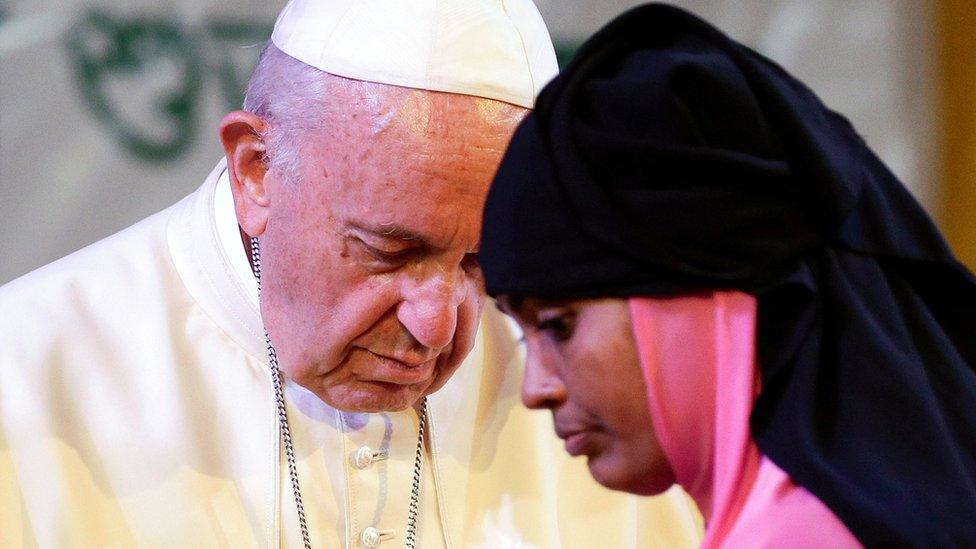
372, 396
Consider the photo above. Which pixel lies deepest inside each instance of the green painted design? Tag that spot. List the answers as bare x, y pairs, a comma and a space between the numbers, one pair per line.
104, 48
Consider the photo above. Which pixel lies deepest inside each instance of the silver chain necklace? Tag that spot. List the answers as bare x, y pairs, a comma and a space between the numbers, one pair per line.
411, 538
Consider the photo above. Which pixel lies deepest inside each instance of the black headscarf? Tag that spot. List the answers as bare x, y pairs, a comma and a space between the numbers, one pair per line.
668, 158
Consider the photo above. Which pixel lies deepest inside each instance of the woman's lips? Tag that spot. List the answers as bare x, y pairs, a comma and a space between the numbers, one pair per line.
578, 443
577, 435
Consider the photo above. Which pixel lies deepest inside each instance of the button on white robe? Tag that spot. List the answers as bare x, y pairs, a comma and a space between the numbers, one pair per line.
136, 409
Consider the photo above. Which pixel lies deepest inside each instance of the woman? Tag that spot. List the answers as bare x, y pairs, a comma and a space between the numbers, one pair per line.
721, 286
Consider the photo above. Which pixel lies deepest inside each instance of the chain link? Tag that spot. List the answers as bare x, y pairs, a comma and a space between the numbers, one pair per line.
411, 539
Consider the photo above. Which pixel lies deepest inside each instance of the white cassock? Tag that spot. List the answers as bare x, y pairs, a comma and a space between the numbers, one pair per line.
137, 409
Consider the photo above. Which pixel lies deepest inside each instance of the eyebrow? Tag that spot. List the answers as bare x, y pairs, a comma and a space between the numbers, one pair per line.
514, 304
511, 305
396, 232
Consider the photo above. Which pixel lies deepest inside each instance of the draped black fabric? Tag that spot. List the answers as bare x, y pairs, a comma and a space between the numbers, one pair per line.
668, 158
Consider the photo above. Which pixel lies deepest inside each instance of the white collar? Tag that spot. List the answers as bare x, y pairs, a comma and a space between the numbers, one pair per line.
212, 264
228, 232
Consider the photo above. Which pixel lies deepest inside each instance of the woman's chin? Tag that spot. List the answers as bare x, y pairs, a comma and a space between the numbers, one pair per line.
635, 478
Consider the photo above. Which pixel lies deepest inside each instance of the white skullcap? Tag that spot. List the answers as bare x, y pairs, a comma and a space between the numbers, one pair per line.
499, 49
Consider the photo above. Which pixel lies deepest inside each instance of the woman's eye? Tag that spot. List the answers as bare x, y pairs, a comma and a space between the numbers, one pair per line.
559, 328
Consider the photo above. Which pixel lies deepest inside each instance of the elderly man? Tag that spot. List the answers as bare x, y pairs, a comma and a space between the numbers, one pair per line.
149, 397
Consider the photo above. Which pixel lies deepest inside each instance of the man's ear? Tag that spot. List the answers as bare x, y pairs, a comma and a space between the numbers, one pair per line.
239, 133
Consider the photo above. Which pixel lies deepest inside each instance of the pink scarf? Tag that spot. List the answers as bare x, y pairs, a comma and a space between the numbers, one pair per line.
698, 357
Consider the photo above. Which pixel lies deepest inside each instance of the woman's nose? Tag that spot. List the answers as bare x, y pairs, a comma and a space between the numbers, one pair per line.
541, 386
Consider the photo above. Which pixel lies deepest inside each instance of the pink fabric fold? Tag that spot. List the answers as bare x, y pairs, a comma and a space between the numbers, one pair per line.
697, 353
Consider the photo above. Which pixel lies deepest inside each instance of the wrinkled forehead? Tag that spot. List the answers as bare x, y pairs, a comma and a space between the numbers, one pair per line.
404, 140
414, 159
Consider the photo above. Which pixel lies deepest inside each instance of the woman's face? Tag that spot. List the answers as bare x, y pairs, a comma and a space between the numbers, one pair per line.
582, 366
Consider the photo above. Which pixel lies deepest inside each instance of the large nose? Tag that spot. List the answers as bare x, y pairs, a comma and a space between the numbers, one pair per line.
430, 306
541, 385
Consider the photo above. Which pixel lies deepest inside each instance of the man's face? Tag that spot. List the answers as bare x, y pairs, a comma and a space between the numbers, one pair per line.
371, 287
582, 365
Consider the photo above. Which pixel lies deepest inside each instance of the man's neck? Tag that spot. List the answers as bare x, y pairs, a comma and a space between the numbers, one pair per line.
246, 242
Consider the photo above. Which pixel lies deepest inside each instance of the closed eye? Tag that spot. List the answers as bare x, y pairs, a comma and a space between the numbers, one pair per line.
387, 255
379, 258
558, 328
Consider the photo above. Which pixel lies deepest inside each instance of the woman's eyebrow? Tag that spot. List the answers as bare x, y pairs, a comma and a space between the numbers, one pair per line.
510, 305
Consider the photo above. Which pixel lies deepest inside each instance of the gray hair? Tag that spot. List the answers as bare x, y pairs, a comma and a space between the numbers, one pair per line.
291, 97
